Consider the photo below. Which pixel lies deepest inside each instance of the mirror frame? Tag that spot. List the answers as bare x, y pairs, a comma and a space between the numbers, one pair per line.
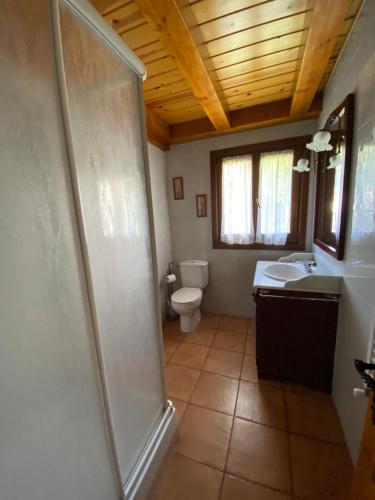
337, 250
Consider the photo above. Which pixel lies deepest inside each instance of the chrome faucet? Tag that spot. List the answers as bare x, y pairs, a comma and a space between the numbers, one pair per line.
308, 265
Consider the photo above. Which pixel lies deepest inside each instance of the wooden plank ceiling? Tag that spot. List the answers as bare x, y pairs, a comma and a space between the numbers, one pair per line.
220, 66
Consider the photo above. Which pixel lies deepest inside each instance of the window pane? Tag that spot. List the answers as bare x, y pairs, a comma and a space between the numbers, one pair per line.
275, 194
236, 217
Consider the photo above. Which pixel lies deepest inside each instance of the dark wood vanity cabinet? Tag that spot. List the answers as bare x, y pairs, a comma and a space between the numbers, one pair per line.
296, 336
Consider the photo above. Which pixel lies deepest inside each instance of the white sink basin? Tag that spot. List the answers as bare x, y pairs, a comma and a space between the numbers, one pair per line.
292, 276
283, 272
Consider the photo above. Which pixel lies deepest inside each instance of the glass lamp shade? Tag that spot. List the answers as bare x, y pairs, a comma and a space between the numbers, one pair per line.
302, 165
320, 142
334, 161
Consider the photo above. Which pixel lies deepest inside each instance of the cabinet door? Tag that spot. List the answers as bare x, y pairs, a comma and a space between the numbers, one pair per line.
296, 338
272, 338
105, 118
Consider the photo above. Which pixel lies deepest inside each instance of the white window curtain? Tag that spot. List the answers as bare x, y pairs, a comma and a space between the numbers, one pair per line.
237, 213
275, 192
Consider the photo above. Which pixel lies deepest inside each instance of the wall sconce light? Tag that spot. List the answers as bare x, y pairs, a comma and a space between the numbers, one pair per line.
302, 165
334, 161
320, 142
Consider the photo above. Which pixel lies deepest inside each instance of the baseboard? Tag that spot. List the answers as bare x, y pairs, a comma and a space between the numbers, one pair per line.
146, 471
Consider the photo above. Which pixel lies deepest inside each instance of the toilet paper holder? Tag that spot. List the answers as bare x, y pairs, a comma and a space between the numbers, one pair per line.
170, 278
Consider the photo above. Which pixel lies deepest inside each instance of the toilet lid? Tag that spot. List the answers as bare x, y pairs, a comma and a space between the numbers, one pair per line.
187, 295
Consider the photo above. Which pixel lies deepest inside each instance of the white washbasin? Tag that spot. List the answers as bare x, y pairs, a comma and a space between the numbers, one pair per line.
283, 272
292, 276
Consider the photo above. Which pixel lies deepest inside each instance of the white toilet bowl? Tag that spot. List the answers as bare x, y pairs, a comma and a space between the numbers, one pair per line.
186, 302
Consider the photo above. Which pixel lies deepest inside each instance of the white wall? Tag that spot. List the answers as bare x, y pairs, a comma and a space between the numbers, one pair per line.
356, 73
158, 172
231, 271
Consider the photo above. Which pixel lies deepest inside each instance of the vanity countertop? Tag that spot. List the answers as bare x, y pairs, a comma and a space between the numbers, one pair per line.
320, 280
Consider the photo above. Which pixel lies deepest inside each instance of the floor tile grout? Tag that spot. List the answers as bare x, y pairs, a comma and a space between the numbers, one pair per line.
286, 430
202, 368
317, 440
277, 385
196, 383
206, 371
231, 429
226, 473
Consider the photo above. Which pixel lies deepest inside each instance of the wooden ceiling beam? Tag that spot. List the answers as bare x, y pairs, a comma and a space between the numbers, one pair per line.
167, 20
262, 115
103, 6
158, 130
124, 22
326, 23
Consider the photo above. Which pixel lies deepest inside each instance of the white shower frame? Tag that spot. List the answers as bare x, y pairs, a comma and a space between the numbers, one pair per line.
156, 450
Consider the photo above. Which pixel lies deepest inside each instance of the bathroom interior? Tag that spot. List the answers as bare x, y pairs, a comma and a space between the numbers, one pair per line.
187, 278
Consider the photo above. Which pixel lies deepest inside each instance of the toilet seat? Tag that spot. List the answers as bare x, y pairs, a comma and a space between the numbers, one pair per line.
187, 295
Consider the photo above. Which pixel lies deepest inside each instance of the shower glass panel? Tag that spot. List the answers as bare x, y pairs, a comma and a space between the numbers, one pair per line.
104, 109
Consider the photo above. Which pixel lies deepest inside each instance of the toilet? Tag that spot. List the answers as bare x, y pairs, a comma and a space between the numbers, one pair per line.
186, 300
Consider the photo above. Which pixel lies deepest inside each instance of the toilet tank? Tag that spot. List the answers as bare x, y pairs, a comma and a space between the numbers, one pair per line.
194, 273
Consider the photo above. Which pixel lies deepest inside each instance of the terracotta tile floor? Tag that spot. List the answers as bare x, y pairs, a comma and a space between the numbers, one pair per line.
240, 438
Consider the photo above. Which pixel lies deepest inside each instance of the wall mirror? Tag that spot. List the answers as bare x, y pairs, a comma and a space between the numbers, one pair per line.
332, 183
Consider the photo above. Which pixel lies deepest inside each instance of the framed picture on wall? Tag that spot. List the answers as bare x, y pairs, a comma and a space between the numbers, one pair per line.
178, 188
201, 200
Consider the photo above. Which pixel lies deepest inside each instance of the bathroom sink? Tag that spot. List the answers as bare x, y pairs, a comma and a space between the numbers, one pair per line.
283, 272
291, 275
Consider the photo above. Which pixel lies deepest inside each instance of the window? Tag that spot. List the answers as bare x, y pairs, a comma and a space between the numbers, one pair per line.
274, 197
236, 219
258, 201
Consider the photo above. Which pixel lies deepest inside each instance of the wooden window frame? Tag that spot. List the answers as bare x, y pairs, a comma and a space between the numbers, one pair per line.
296, 239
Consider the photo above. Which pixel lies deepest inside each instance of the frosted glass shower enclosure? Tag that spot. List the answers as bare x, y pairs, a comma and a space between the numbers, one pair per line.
102, 98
